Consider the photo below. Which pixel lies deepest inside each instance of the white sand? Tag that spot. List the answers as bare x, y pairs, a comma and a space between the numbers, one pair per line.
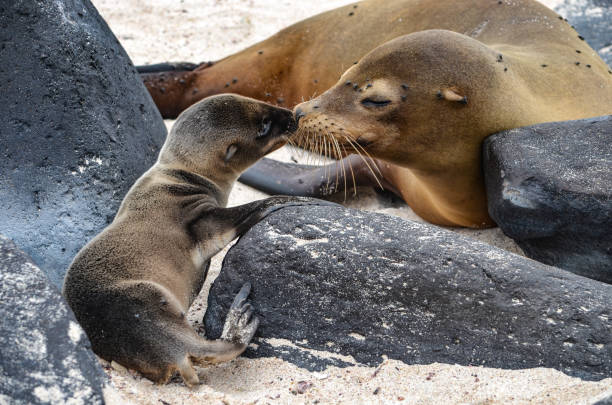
188, 30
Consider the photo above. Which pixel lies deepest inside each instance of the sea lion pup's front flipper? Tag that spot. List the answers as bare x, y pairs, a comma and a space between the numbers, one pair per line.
274, 177
229, 223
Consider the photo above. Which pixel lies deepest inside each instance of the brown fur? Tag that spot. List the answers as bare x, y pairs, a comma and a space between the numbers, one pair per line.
131, 286
446, 93
514, 61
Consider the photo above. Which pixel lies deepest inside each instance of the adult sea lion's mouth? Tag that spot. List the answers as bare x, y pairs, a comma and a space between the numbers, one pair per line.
361, 141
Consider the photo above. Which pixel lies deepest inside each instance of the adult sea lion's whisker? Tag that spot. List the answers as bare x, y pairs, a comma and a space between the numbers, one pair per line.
337, 148
334, 151
366, 162
356, 144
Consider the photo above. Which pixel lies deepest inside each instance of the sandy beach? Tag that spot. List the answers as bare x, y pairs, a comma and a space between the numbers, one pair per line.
154, 31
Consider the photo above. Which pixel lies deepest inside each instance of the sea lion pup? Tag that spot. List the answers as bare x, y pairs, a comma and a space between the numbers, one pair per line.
423, 103
131, 286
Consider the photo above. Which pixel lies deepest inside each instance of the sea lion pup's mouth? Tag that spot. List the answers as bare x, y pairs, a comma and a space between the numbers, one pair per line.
280, 139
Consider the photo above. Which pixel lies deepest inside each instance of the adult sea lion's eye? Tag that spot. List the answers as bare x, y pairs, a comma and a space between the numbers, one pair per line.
368, 102
265, 128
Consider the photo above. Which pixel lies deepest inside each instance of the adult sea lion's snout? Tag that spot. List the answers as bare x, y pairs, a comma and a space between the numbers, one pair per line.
299, 113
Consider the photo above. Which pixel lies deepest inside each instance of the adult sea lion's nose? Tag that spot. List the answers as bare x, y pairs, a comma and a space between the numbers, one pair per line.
299, 113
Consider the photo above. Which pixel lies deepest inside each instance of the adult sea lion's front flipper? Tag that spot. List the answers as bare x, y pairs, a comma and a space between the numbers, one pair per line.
274, 177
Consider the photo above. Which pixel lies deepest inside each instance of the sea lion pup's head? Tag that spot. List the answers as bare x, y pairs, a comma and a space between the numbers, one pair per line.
414, 95
221, 136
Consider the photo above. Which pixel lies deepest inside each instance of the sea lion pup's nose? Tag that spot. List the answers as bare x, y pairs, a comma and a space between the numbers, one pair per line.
292, 126
299, 113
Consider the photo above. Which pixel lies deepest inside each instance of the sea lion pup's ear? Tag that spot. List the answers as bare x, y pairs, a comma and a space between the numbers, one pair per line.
452, 95
231, 151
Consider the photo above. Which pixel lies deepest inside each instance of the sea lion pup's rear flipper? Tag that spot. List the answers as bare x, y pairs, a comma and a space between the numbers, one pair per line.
274, 177
240, 324
239, 329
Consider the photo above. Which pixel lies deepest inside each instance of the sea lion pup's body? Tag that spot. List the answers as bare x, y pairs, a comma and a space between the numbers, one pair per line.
131, 286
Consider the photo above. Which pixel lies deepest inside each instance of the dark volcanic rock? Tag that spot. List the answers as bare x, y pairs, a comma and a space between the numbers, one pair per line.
593, 20
549, 188
605, 401
78, 127
45, 357
368, 285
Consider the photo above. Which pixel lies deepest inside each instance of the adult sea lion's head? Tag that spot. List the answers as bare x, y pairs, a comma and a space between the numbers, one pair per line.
416, 96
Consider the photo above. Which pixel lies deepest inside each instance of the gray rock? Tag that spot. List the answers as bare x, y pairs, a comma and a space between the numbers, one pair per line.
593, 20
549, 188
78, 127
366, 285
604, 401
46, 357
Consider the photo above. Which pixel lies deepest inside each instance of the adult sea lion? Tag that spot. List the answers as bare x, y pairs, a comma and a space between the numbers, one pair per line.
509, 63
424, 102
131, 286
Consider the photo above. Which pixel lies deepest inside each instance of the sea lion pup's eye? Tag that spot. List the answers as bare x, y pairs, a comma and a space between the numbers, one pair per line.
266, 126
231, 151
369, 102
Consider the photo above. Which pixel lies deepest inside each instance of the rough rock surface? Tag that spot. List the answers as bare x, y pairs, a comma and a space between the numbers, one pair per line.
549, 188
593, 20
368, 285
78, 127
45, 357
605, 401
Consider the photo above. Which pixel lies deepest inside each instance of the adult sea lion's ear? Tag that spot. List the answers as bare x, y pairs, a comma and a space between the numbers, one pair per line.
452, 95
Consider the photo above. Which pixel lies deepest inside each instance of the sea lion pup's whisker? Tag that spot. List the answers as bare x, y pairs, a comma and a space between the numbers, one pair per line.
365, 161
